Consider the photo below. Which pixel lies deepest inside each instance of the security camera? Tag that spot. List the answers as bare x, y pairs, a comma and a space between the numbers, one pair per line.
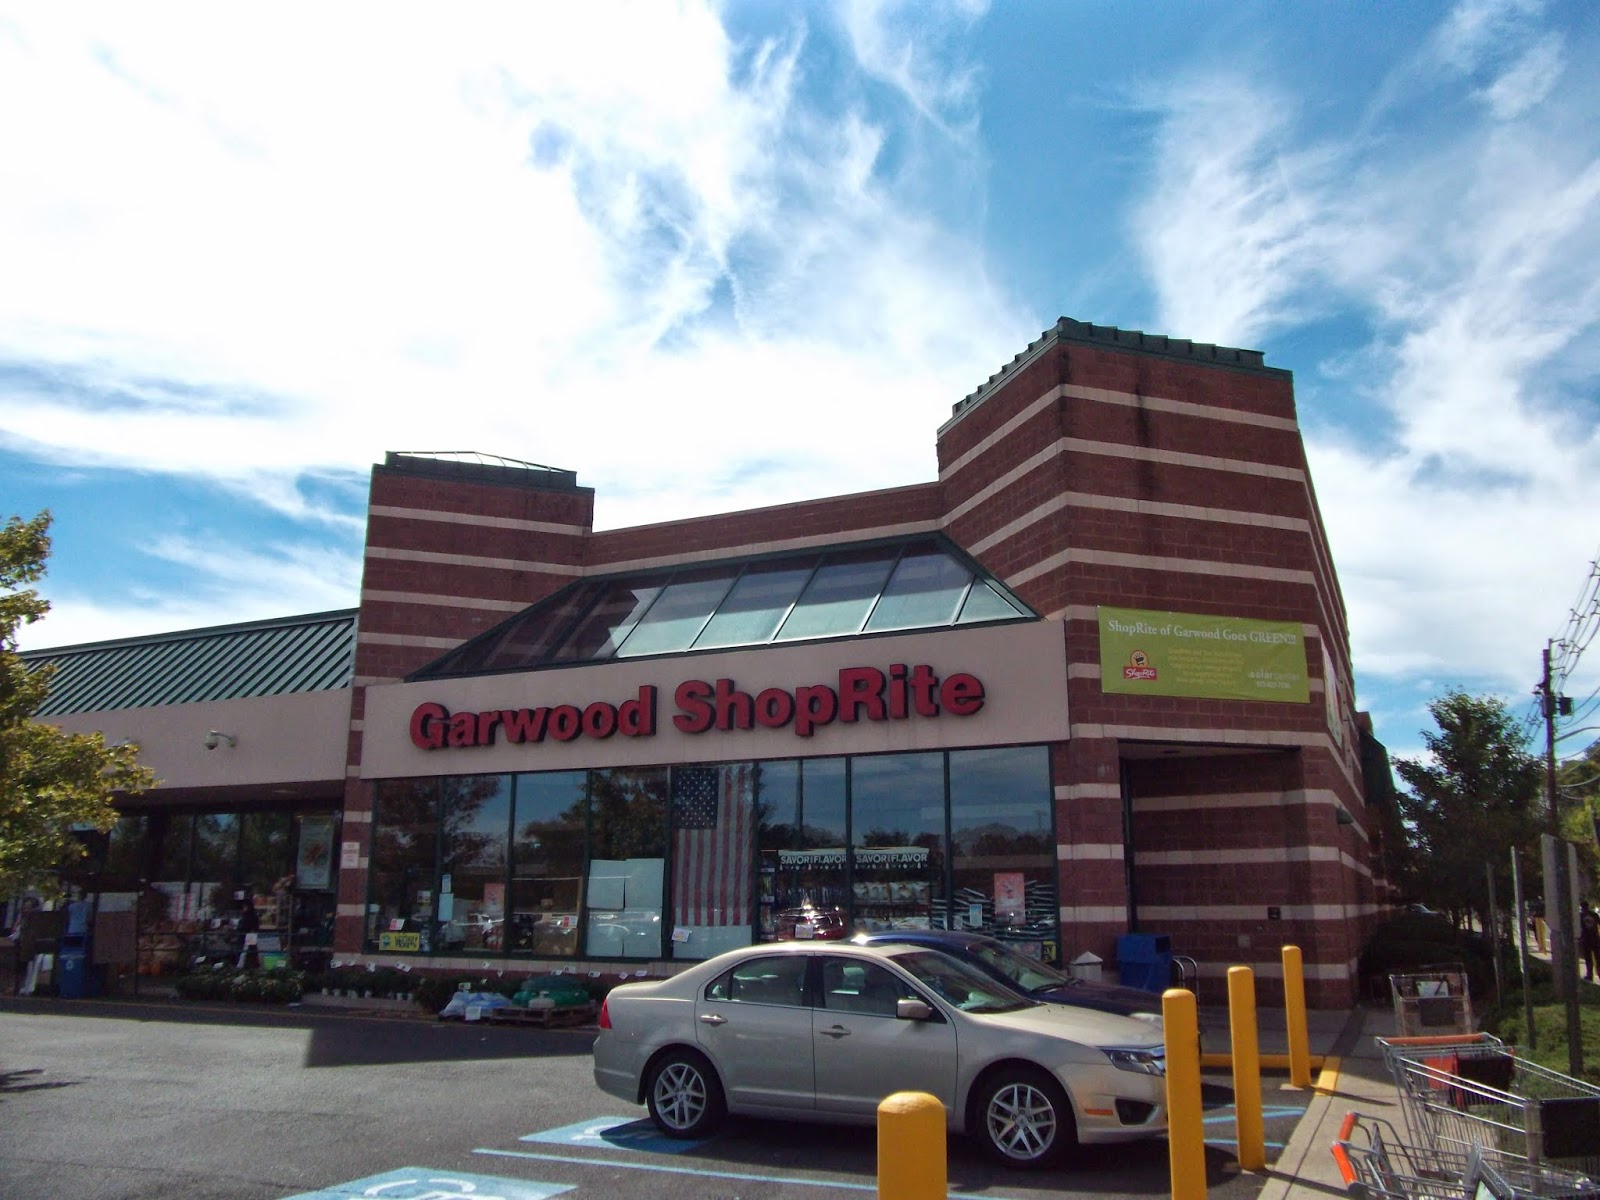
215, 738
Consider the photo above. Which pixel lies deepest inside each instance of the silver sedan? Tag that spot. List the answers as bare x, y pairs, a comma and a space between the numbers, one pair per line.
825, 1031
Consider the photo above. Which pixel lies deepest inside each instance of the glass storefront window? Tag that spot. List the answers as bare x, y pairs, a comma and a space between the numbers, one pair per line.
1004, 845
627, 862
216, 865
647, 863
125, 856
808, 881
547, 864
264, 869
474, 827
405, 857
897, 841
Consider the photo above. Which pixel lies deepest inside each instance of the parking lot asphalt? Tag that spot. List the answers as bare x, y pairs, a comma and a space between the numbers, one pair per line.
1302, 1123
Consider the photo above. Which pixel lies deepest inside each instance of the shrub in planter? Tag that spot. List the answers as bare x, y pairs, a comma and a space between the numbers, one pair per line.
280, 985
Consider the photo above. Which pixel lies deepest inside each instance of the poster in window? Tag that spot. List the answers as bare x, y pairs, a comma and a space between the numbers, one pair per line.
1009, 897
313, 865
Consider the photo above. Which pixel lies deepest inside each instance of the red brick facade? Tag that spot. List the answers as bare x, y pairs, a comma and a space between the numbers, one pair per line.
1100, 468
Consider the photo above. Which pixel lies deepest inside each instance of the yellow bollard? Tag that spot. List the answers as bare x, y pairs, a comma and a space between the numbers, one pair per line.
1294, 1004
911, 1152
1249, 1131
1186, 1129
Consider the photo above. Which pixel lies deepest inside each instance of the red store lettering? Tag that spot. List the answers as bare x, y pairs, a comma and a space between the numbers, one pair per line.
859, 694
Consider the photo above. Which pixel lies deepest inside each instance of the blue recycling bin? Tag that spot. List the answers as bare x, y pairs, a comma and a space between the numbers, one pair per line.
72, 968
1144, 960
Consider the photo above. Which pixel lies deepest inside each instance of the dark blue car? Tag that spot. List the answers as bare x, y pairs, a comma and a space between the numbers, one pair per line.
1026, 975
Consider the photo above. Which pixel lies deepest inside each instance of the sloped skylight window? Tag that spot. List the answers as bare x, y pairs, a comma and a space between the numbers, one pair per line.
757, 604
840, 595
918, 583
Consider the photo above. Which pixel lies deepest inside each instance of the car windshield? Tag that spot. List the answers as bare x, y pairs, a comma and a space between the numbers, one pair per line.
968, 988
1026, 973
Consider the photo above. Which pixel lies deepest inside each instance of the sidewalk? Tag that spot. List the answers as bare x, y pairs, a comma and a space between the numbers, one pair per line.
1353, 1076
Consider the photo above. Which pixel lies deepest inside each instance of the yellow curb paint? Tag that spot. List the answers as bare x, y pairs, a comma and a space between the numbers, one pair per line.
1328, 1078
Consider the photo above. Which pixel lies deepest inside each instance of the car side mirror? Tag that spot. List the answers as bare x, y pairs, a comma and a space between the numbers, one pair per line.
912, 1010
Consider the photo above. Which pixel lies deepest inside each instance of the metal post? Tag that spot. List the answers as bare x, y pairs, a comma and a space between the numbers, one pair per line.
1186, 1130
1522, 951
1494, 935
1248, 1128
912, 1164
1294, 1005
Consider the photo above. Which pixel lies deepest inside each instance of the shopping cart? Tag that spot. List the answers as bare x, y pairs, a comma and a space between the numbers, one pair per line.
1457, 1092
1375, 1162
1432, 1000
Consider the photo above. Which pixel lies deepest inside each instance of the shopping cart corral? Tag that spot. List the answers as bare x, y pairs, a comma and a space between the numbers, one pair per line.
1375, 1161
1463, 1091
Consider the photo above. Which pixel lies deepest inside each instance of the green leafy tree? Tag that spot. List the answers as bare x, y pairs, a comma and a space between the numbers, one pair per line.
1469, 803
1578, 780
50, 781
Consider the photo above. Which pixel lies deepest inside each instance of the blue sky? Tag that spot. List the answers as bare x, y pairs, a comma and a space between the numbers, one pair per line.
715, 256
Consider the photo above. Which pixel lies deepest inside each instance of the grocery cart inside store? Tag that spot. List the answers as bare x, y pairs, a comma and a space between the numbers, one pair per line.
1432, 1000
1472, 1090
1375, 1161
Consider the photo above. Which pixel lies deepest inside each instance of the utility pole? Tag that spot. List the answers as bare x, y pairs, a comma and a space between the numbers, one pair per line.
1565, 958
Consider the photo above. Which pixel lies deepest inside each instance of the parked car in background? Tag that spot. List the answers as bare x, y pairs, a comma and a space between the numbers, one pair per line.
824, 1031
1027, 975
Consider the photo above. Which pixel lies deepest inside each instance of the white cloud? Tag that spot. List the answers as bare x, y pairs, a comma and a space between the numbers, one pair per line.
1528, 80
304, 579
1230, 228
598, 237
1460, 518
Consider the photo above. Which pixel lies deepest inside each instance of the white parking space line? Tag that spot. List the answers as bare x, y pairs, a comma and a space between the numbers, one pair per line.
663, 1168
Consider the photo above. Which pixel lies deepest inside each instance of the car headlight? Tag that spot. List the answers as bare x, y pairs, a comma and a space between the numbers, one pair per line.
1138, 1059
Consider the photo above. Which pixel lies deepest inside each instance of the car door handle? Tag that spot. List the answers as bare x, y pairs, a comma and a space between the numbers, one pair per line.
838, 1031
713, 1019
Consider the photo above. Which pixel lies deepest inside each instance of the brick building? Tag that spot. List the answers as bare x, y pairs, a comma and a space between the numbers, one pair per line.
1092, 679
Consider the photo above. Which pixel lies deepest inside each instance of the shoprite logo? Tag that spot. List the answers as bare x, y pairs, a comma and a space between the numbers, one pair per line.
860, 694
1139, 667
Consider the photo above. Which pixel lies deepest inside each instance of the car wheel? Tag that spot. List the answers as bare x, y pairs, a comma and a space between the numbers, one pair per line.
685, 1096
1024, 1119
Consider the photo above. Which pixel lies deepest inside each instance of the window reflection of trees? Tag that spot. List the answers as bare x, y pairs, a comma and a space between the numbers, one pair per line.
475, 819
404, 859
548, 864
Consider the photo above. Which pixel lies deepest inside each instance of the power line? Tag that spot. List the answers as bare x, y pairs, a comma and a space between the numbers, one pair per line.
1583, 624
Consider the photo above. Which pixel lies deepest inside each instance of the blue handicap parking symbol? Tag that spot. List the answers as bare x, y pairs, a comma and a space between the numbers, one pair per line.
613, 1133
430, 1183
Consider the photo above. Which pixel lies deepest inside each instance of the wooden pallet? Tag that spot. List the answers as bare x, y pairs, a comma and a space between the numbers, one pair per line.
572, 1014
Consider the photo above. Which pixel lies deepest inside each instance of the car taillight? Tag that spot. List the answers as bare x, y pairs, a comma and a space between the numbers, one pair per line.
605, 1013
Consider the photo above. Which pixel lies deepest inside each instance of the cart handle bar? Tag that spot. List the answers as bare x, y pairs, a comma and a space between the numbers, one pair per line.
1341, 1154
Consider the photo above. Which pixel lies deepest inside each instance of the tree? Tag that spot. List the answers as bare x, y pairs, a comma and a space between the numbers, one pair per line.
51, 782
1475, 799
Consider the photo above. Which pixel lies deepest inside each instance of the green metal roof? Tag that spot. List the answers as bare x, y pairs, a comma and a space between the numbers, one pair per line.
313, 653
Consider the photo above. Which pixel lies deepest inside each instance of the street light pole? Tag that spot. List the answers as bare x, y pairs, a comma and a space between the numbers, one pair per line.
1565, 959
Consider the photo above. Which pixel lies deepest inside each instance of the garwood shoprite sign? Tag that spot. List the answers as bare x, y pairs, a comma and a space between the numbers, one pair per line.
858, 693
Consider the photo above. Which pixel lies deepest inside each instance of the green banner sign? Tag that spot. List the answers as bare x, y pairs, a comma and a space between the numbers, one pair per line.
1186, 654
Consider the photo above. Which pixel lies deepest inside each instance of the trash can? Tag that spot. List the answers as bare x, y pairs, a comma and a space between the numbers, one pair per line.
1144, 960
72, 968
